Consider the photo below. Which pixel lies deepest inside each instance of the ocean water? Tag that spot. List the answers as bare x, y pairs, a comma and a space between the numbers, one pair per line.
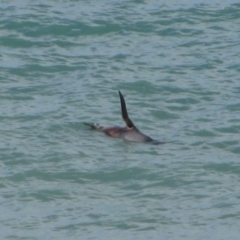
178, 66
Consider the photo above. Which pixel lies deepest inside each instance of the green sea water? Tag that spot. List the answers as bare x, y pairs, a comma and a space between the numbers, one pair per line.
178, 67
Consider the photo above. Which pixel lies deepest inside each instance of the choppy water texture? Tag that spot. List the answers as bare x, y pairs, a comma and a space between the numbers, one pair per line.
178, 66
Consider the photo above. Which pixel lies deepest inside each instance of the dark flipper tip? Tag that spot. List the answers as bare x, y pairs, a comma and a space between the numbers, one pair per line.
89, 124
155, 142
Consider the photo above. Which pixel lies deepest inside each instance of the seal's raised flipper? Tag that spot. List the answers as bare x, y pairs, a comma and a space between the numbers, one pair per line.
129, 132
124, 112
94, 126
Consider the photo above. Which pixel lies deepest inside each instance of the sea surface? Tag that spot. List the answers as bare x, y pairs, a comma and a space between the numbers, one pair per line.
177, 64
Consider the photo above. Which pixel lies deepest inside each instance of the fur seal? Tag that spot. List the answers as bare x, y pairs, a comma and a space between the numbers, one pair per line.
130, 132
